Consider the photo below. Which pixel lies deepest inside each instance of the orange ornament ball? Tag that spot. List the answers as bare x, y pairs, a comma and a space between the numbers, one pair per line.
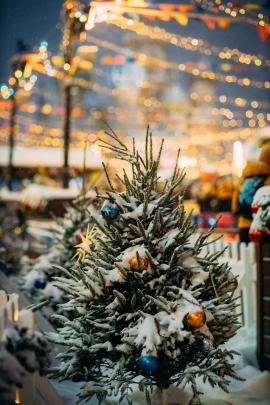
196, 319
138, 265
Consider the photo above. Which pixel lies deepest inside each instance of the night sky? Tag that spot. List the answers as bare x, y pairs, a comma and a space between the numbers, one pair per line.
29, 20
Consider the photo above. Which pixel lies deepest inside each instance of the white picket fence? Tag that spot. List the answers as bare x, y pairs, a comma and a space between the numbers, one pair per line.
36, 390
241, 259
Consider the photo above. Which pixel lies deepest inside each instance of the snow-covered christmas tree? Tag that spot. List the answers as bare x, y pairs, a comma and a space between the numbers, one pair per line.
148, 308
68, 232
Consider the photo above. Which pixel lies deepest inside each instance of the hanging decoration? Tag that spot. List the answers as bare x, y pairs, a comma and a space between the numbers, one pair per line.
188, 43
232, 12
182, 67
86, 245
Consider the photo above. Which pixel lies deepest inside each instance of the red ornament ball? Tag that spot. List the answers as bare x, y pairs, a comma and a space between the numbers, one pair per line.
256, 235
254, 208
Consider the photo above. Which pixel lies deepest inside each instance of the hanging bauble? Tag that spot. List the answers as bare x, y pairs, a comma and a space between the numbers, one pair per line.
79, 238
148, 363
138, 265
232, 284
69, 230
267, 221
256, 235
254, 208
196, 319
109, 211
40, 283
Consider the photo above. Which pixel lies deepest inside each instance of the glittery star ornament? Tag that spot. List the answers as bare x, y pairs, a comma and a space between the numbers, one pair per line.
85, 247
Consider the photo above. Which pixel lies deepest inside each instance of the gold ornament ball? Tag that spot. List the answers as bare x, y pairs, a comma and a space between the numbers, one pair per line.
196, 319
138, 265
232, 285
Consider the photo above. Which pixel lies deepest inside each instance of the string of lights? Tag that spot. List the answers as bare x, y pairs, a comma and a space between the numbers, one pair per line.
44, 140
144, 59
188, 43
23, 77
235, 9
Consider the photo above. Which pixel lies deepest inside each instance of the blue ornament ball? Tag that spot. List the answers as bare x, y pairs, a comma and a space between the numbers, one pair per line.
110, 211
40, 283
148, 363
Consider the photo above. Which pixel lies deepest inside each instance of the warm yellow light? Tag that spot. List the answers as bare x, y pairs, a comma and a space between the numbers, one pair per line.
223, 99
12, 81
254, 104
27, 70
66, 66
17, 396
46, 109
18, 74
246, 81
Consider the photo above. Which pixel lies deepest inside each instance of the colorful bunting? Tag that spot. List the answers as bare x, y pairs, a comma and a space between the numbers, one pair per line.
223, 23
210, 23
181, 18
184, 8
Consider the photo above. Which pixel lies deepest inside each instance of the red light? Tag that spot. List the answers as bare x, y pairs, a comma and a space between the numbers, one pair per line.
254, 208
78, 237
256, 235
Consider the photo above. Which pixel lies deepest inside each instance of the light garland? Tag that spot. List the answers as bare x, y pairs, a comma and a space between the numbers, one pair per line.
146, 59
22, 77
224, 99
187, 43
153, 102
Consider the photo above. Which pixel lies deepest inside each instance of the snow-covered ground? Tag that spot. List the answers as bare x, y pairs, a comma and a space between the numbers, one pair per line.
255, 390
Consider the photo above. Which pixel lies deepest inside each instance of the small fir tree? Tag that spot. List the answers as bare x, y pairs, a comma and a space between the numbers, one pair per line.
38, 273
150, 308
